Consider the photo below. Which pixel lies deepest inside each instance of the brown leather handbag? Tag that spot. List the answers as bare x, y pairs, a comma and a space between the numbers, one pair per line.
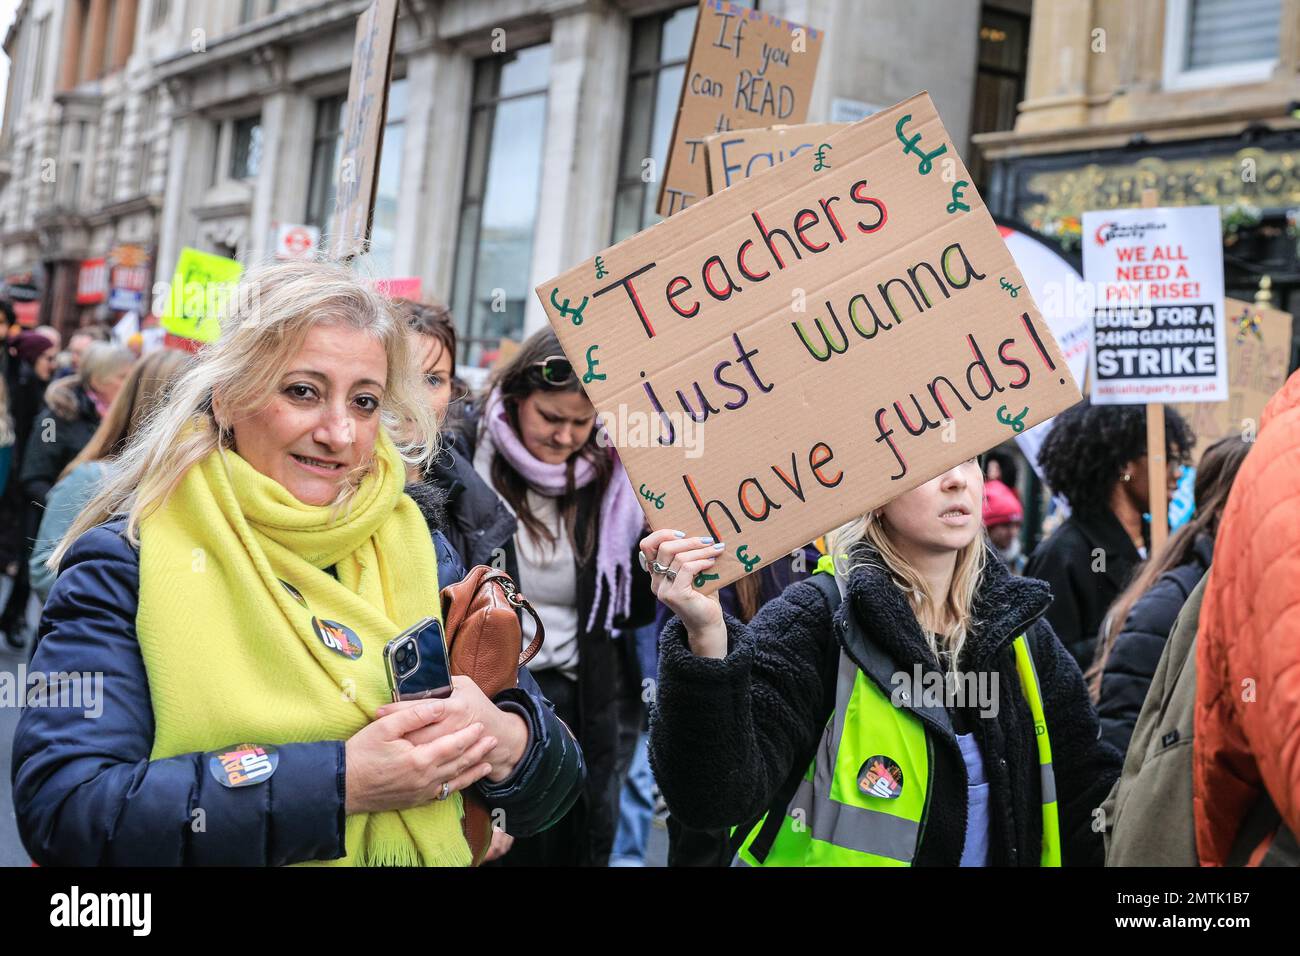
481, 621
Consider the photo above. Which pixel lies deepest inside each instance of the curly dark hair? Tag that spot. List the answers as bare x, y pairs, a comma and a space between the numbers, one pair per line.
1088, 446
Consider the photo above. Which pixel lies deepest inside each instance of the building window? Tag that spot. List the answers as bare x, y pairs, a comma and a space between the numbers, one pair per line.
38, 68
503, 170
1220, 42
999, 77
113, 140
110, 28
660, 45
250, 10
246, 148
144, 142
74, 135
327, 144
161, 8
25, 185
88, 41
383, 228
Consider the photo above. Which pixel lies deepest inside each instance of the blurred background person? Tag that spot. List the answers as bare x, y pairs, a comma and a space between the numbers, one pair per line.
1095, 457
579, 523
10, 526
477, 522
1003, 517
8, 329
74, 407
78, 343
1138, 625
145, 390
30, 371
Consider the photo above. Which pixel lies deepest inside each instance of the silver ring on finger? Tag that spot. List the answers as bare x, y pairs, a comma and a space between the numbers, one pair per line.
446, 791
661, 569
670, 574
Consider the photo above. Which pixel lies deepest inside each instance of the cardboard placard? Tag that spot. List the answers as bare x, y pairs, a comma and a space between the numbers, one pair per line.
1158, 321
363, 128
1259, 350
731, 157
200, 292
746, 69
804, 346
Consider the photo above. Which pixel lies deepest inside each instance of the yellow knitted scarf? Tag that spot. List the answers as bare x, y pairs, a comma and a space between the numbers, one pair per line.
248, 639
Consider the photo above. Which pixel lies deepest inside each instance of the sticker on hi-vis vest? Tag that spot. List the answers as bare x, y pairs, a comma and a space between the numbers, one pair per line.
242, 765
339, 638
881, 777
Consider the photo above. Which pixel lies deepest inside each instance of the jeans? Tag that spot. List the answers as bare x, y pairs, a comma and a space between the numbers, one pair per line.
636, 809
637, 802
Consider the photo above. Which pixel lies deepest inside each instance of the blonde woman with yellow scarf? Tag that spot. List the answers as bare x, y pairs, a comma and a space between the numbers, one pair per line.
224, 602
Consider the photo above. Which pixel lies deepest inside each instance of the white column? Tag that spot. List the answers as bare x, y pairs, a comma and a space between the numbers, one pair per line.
433, 167
189, 159
584, 124
281, 190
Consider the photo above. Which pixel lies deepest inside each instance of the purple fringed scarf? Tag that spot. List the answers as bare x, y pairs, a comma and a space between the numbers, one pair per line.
621, 518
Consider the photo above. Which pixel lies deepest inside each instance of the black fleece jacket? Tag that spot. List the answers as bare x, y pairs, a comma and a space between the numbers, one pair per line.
725, 735
1132, 662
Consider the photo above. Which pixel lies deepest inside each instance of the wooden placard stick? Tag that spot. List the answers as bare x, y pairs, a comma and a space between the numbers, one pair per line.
1157, 467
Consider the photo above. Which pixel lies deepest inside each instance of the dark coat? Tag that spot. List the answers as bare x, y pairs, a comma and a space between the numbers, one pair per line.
1081, 596
1133, 659
70, 430
478, 524
26, 391
609, 697
87, 794
688, 847
727, 735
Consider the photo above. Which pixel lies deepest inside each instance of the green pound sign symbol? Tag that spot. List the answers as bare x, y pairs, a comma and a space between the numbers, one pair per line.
1017, 424
565, 311
702, 578
742, 553
591, 375
956, 203
910, 146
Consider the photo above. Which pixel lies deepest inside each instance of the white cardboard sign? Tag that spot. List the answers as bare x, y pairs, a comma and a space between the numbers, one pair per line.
1158, 325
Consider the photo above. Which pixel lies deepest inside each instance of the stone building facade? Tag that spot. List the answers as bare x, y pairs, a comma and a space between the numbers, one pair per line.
515, 137
1197, 100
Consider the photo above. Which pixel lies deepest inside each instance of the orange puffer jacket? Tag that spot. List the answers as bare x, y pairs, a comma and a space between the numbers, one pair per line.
1247, 739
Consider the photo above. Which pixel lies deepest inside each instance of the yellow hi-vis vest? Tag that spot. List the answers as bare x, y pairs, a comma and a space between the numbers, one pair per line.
831, 821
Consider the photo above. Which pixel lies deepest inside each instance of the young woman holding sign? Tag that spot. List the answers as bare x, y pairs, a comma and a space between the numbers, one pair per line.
914, 710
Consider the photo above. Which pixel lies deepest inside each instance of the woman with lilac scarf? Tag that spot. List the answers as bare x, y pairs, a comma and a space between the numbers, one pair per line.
540, 448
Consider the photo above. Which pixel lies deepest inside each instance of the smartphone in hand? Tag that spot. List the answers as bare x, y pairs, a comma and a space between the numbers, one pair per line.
417, 662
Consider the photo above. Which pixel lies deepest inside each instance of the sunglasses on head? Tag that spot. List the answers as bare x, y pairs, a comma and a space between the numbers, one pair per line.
555, 370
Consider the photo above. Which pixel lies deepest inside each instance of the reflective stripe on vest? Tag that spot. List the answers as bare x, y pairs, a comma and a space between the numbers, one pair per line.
1051, 855
830, 821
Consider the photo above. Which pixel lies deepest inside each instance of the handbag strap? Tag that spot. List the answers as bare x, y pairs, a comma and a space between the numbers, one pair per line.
517, 600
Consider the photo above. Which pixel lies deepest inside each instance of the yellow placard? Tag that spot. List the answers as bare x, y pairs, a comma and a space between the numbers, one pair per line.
203, 288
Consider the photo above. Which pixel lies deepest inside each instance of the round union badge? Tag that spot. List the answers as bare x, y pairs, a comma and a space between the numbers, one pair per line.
242, 765
881, 777
339, 638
